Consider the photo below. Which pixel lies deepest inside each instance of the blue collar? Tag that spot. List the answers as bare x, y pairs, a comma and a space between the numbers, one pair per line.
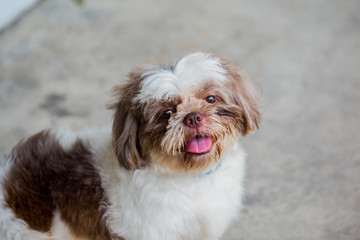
210, 170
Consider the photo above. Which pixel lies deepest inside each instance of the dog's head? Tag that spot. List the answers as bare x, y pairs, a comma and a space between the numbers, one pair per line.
182, 117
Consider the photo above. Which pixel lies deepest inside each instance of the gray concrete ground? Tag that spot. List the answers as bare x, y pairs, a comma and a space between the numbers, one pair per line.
303, 179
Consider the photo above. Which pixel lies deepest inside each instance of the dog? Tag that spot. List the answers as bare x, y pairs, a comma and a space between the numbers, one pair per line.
170, 167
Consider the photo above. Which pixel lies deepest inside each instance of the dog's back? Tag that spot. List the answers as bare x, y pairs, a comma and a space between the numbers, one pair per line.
41, 178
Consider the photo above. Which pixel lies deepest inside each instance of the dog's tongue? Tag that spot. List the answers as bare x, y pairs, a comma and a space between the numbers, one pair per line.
198, 145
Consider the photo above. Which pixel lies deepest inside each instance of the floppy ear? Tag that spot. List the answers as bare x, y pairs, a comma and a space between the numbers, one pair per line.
243, 94
125, 131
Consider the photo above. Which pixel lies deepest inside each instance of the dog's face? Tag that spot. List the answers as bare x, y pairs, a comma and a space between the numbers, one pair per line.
182, 117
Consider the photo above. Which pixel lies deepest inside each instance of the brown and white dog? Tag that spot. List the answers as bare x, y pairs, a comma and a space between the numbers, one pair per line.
171, 167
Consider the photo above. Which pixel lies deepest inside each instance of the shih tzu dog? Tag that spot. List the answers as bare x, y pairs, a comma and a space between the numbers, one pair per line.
170, 168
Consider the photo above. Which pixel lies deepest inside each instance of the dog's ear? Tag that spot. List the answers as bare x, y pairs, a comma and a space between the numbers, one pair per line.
125, 129
244, 95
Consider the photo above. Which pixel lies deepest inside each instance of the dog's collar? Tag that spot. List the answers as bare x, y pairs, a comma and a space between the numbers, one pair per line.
210, 170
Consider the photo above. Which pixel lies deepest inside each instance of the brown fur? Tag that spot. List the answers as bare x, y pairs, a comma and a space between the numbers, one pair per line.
44, 178
244, 96
126, 123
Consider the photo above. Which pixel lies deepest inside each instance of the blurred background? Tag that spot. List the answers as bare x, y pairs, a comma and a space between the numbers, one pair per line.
59, 58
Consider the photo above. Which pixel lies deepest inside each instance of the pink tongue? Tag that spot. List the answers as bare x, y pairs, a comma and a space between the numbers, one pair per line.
198, 145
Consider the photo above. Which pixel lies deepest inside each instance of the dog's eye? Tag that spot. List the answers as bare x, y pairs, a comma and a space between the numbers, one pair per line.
211, 99
167, 114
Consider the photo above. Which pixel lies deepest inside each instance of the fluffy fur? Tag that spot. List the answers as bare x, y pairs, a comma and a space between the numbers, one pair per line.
170, 168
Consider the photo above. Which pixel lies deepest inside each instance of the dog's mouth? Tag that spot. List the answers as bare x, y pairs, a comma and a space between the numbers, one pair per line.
199, 144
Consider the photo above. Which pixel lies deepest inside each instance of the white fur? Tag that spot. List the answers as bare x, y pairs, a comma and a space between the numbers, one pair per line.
59, 230
188, 72
153, 203
92, 136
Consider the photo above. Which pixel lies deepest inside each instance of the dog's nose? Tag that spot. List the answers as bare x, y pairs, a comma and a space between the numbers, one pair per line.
193, 120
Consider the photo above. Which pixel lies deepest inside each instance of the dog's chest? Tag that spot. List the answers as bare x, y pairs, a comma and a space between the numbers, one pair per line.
145, 206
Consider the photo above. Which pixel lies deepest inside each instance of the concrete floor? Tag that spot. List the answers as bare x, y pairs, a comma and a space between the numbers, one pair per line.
303, 179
